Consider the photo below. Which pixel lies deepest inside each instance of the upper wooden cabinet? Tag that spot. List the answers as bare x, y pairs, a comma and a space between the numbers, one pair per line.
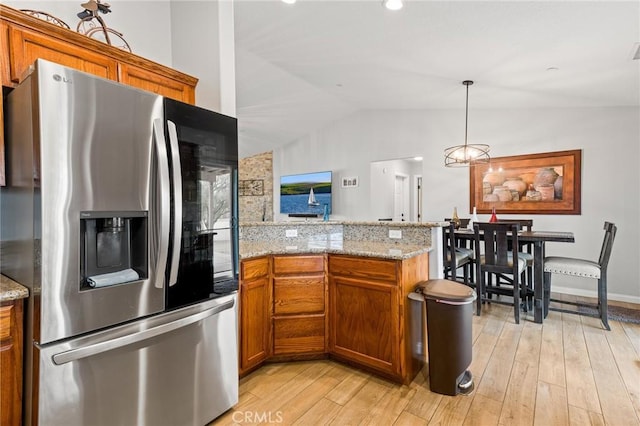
151, 81
27, 46
24, 39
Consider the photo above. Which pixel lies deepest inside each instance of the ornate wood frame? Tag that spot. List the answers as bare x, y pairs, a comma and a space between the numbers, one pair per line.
542, 193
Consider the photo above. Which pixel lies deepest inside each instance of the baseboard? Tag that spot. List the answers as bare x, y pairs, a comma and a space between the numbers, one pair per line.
594, 294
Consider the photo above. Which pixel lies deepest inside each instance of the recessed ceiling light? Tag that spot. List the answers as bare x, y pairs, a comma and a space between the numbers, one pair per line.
393, 4
289, 1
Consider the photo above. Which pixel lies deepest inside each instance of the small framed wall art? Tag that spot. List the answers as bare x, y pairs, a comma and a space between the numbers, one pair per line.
350, 181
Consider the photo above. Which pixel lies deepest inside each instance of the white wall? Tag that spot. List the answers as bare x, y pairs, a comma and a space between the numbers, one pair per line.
203, 46
610, 143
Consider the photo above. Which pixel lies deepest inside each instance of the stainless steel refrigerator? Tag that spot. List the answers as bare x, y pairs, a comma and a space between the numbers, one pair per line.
120, 216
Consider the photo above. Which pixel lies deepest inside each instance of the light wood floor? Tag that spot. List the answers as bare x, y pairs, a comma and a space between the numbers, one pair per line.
567, 371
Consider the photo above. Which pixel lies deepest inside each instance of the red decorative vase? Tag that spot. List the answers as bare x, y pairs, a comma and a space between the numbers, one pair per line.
493, 218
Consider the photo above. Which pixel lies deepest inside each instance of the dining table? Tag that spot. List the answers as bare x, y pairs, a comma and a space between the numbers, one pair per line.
537, 239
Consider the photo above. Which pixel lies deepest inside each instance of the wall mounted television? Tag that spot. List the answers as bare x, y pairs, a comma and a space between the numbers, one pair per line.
305, 195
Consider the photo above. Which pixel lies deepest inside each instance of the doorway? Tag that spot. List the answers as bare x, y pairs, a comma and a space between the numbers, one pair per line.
401, 205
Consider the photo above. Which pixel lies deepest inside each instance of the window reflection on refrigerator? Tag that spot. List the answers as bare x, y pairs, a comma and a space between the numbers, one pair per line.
215, 217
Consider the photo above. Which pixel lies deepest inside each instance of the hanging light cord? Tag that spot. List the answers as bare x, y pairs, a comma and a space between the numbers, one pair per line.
466, 112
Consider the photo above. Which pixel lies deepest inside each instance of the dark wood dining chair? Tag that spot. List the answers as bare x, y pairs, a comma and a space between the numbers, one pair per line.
454, 258
525, 251
586, 269
461, 246
496, 246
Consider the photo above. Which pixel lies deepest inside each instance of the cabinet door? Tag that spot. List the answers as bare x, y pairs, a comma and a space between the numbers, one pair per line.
255, 312
11, 363
27, 46
364, 322
254, 320
156, 83
2, 172
4, 57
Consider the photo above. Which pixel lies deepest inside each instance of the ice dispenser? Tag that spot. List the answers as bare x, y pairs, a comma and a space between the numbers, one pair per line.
113, 248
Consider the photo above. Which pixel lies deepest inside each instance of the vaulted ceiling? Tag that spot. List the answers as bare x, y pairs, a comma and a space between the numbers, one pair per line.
299, 67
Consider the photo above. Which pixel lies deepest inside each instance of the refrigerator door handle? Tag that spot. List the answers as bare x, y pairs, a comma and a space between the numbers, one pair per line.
161, 232
177, 204
108, 345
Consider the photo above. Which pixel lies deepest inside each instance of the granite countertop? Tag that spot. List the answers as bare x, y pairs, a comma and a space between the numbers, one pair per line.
430, 224
11, 290
385, 250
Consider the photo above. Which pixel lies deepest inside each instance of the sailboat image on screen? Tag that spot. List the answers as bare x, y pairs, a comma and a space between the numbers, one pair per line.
312, 199
305, 194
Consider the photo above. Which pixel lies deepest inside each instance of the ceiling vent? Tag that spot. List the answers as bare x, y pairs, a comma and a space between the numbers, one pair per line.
636, 51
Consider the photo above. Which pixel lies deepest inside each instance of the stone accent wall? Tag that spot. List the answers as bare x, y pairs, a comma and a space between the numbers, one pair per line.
256, 177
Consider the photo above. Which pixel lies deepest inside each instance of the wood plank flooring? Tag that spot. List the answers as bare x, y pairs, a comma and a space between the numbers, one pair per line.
567, 371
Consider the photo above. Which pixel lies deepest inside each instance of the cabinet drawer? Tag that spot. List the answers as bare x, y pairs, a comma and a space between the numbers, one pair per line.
363, 267
298, 295
298, 335
283, 265
254, 268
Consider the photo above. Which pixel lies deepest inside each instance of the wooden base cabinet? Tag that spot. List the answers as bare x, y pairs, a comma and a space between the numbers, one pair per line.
364, 321
369, 313
11, 362
299, 314
354, 309
255, 313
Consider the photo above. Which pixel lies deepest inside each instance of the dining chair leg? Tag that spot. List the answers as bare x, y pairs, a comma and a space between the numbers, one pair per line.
465, 274
479, 291
602, 301
516, 302
546, 286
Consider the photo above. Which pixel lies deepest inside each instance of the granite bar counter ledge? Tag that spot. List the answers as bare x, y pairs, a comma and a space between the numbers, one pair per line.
11, 290
369, 239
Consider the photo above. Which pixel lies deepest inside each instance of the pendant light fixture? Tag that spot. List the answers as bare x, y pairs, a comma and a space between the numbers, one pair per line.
469, 153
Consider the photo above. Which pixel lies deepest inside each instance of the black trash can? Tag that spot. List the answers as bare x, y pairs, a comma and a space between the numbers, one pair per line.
449, 335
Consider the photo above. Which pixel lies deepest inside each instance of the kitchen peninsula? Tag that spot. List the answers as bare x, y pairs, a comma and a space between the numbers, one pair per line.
332, 289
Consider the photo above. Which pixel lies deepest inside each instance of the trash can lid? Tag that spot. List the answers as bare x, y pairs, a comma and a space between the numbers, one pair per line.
446, 290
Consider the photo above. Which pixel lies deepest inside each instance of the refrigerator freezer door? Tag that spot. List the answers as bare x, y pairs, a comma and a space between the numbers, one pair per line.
96, 152
176, 368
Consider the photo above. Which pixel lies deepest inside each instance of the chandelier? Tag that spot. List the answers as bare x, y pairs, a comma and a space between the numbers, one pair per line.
469, 153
